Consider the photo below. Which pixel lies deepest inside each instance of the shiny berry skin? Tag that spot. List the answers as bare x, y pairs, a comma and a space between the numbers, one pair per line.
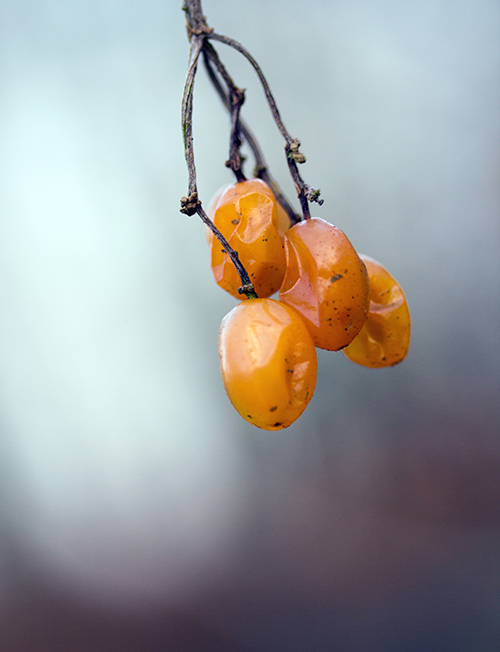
247, 216
326, 282
282, 224
385, 338
268, 362
283, 221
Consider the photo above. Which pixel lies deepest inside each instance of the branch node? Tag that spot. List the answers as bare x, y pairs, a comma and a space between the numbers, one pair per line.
248, 289
236, 163
189, 205
237, 95
199, 31
294, 153
313, 194
196, 22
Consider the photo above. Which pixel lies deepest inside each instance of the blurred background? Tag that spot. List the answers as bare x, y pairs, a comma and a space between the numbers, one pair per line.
138, 511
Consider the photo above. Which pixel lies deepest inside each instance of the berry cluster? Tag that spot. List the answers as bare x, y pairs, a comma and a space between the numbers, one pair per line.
329, 297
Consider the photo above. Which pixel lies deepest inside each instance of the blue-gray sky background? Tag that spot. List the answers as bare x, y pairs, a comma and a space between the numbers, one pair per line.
135, 504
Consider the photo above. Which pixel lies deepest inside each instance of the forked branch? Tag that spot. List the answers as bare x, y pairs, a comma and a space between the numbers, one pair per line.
200, 35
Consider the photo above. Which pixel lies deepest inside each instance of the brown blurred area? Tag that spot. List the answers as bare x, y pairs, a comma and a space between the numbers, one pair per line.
138, 512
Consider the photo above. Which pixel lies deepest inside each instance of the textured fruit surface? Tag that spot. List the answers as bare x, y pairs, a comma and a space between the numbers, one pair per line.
282, 222
385, 338
246, 214
268, 362
326, 282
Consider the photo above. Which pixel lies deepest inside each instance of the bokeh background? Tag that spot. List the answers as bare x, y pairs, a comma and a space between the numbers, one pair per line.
138, 512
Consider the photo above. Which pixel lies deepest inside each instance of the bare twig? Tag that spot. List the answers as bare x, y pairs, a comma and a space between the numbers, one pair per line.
237, 98
197, 31
196, 23
261, 170
187, 111
267, 91
200, 35
292, 145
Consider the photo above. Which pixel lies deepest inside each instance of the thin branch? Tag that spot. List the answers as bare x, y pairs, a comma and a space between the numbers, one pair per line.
304, 192
267, 91
246, 284
261, 171
187, 111
234, 162
196, 22
191, 204
199, 34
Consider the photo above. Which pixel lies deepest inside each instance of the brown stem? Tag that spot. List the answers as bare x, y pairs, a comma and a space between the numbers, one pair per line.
233, 101
234, 162
199, 34
210, 57
267, 91
196, 23
197, 29
304, 192
187, 111
246, 284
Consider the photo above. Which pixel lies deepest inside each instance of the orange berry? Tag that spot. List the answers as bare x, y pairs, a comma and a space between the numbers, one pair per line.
385, 338
247, 215
283, 221
326, 282
268, 362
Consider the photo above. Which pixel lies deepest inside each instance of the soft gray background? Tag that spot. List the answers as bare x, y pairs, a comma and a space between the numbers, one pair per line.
138, 512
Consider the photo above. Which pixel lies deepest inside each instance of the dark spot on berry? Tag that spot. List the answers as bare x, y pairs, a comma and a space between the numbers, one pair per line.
235, 222
277, 424
335, 277
275, 407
